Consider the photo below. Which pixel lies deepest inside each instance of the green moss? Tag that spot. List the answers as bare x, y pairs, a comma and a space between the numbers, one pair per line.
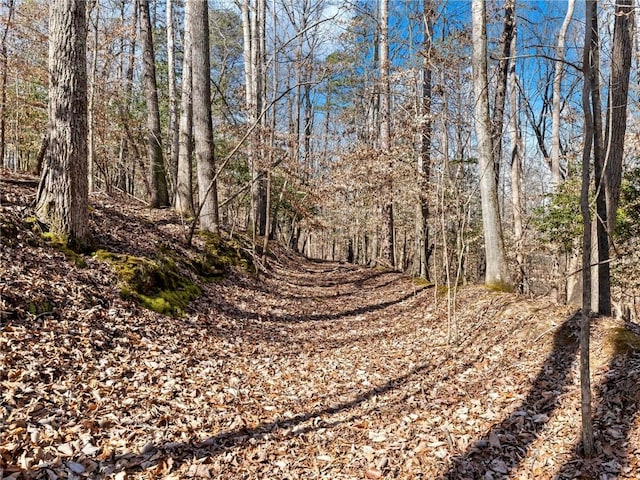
60, 244
220, 254
38, 307
503, 287
622, 341
156, 285
421, 282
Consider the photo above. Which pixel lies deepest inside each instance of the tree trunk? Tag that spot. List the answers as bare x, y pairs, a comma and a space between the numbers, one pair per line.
617, 105
3, 81
202, 127
91, 144
501, 84
159, 189
585, 376
184, 186
601, 284
556, 173
517, 153
126, 167
388, 247
62, 200
496, 270
424, 154
174, 133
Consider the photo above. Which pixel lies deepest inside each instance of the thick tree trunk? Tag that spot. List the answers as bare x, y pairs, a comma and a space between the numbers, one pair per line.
184, 184
496, 272
202, 127
159, 189
62, 200
616, 125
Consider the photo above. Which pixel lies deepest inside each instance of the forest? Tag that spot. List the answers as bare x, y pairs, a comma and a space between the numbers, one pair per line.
380, 239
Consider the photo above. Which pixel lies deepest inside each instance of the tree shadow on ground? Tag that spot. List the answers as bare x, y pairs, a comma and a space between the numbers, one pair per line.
505, 444
617, 399
287, 427
233, 310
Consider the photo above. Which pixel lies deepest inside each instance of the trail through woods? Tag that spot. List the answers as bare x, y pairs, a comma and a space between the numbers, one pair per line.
317, 370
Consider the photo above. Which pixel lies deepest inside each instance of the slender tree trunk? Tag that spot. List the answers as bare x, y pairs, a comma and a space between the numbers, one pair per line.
517, 153
62, 199
556, 173
159, 189
202, 127
388, 247
496, 271
601, 285
585, 375
91, 144
126, 167
424, 155
184, 186
497, 124
174, 133
616, 126
3, 81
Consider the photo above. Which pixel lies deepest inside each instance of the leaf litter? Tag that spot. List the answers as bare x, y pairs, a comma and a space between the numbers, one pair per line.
314, 370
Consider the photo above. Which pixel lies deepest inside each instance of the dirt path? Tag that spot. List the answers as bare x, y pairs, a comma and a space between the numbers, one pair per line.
321, 370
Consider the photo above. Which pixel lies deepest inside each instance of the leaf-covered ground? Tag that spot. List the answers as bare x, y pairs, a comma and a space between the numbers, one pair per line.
316, 370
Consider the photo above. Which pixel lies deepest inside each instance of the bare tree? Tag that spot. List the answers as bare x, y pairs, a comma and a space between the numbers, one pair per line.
424, 155
174, 134
616, 123
184, 182
387, 252
585, 381
556, 175
3, 81
159, 189
502, 71
62, 199
496, 264
202, 127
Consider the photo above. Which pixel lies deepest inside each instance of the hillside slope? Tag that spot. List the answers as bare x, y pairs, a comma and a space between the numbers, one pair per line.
316, 370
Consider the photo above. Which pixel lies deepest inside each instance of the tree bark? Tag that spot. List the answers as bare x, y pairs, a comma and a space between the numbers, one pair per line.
502, 72
202, 126
125, 165
62, 199
159, 189
496, 265
424, 154
388, 247
174, 133
601, 283
616, 125
91, 144
585, 376
556, 172
184, 182
517, 153
3, 81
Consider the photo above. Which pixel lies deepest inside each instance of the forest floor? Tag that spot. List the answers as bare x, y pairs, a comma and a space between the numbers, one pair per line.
312, 370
